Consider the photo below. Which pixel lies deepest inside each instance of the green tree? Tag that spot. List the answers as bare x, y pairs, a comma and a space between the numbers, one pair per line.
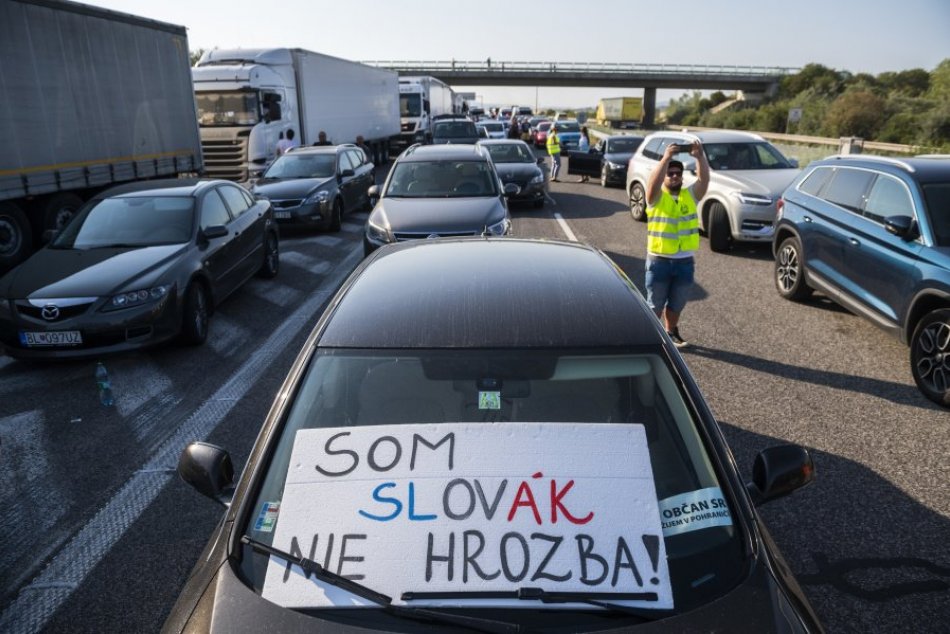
855, 113
913, 83
195, 55
940, 80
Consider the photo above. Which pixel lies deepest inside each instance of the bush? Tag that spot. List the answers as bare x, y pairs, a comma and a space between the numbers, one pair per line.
855, 113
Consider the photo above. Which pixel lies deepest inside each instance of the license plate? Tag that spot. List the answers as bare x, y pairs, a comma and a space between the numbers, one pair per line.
282, 215
53, 338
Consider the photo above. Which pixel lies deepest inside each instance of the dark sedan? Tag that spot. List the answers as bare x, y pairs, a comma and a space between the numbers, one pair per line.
318, 185
491, 435
607, 160
138, 265
516, 163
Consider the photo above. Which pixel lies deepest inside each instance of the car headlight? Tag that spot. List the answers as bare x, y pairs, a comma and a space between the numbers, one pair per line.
538, 179
752, 199
615, 166
137, 298
317, 197
501, 228
377, 232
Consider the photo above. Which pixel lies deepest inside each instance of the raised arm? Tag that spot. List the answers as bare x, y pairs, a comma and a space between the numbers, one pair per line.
655, 182
702, 171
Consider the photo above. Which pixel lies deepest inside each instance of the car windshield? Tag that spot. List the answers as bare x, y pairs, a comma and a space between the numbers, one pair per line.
302, 166
511, 153
454, 129
442, 179
136, 221
937, 196
572, 394
624, 145
745, 156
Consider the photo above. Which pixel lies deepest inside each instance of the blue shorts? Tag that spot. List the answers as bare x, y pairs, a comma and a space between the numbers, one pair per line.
668, 282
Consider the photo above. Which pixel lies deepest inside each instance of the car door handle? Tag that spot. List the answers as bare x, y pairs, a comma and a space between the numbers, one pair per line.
854, 242
807, 218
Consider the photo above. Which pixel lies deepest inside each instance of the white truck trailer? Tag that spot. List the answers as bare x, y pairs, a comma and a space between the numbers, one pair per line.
88, 98
420, 99
248, 98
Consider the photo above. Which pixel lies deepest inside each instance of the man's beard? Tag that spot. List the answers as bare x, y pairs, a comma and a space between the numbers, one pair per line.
674, 189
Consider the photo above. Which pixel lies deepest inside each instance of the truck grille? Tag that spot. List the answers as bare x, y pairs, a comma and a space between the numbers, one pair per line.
226, 158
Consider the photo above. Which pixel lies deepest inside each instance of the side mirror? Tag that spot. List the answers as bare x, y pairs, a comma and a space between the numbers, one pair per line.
347, 173
793, 162
373, 193
778, 471
214, 231
208, 468
901, 226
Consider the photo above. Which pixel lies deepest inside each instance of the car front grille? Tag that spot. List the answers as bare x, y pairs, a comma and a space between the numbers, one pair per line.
286, 204
403, 236
65, 312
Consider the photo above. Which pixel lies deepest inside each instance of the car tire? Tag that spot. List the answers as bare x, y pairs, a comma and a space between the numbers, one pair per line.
718, 230
603, 176
790, 271
930, 356
59, 209
638, 202
16, 235
336, 216
195, 315
271, 265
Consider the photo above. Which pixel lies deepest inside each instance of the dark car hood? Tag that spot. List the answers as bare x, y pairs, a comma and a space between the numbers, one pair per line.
54, 273
440, 215
288, 188
517, 171
227, 605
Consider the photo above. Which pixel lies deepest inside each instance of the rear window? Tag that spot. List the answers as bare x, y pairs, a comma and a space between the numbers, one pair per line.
454, 129
816, 180
848, 188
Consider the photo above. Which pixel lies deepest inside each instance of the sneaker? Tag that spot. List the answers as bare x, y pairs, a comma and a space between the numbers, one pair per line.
678, 341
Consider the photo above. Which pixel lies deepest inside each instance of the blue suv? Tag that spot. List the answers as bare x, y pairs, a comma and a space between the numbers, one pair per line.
873, 233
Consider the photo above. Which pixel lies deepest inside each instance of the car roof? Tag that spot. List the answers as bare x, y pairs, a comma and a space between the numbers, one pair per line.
319, 149
161, 187
501, 142
490, 293
445, 152
712, 136
922, 168
613, 137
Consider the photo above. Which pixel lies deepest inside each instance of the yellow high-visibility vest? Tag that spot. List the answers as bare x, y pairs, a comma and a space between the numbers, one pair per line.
554, 144
672, 225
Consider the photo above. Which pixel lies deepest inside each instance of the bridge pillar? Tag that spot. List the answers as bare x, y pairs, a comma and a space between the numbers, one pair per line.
649, 106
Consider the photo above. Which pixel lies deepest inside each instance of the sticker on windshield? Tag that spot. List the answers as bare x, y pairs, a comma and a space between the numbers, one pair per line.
444, 510
489, 400
267, 518
694, 510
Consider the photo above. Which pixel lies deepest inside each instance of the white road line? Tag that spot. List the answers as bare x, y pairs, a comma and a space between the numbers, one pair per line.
135, 382
566, 229
275, 293
295, 258
38, 601
226, 335
328, 241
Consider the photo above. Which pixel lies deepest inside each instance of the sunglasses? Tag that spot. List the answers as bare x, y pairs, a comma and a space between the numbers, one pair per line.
674, 173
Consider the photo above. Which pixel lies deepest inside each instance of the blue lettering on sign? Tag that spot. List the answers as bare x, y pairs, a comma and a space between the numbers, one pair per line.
397, 505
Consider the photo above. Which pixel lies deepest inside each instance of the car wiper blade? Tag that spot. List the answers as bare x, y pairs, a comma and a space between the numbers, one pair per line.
309, 566
119, 245
599, 599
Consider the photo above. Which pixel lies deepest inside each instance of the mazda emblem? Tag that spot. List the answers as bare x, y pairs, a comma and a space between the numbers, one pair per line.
50, 312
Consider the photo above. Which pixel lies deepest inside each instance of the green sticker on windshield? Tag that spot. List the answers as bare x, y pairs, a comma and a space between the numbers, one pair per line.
489, 400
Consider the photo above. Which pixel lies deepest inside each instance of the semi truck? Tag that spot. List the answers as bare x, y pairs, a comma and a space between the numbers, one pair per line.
420, 99
620, 112
248, 99
89, 98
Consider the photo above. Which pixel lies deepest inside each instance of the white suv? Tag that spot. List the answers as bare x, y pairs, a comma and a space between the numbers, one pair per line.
747, 176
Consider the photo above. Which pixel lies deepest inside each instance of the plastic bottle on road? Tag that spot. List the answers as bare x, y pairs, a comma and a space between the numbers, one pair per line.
105, 386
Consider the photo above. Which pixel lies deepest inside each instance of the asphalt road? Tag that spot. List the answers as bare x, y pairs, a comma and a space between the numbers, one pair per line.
99, 533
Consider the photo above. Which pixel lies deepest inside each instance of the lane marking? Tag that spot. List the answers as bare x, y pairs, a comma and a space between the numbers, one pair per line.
68, 568
566, 229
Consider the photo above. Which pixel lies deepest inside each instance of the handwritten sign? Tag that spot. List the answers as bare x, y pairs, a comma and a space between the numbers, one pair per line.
471, 507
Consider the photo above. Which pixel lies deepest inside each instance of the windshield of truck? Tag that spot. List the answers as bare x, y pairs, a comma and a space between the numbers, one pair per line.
303, 166
745, 156
227, 108
410, 105
442, 179
131, 221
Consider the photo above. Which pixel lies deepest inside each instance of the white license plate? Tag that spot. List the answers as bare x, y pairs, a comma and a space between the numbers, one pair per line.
282, 215
53, 338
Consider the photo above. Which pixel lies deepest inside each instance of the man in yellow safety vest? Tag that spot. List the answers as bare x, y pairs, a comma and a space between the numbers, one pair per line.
554, 149
673, 234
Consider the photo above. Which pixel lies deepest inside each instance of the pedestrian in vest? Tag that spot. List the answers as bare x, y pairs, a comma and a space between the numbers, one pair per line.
673, 235
554, 149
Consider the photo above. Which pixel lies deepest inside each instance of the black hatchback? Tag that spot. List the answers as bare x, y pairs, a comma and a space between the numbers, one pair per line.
491, 435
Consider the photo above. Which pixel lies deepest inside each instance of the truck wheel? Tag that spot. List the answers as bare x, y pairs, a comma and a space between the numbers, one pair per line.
59, 209
930, 356
16, 236
718, 230
638, 202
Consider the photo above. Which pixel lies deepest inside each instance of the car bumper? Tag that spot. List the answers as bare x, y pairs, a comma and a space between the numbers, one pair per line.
616, 174
101, 332
754, 223
313, 213
529, 193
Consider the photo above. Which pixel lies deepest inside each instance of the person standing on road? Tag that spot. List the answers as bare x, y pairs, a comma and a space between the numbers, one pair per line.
673, 235
583, 145
287, 143
322, 139
514, 129
554, 149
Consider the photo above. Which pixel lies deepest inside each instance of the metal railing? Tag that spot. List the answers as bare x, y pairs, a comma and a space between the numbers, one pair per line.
575, 67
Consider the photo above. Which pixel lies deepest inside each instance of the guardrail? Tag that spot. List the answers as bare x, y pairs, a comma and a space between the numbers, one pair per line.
591, 67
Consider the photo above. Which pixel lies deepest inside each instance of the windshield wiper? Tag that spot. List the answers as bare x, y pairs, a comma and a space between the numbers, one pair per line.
310, 567
119, 245
599, 599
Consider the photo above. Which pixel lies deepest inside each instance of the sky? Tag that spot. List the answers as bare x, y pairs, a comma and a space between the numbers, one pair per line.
871, 36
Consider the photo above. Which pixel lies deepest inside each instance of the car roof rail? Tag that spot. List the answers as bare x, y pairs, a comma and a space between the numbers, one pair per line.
873, 157
412, 148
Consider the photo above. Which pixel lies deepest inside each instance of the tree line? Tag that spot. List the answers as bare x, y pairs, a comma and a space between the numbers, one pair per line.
910, 107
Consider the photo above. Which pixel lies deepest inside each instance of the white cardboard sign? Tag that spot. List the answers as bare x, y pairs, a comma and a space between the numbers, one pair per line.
471, 507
